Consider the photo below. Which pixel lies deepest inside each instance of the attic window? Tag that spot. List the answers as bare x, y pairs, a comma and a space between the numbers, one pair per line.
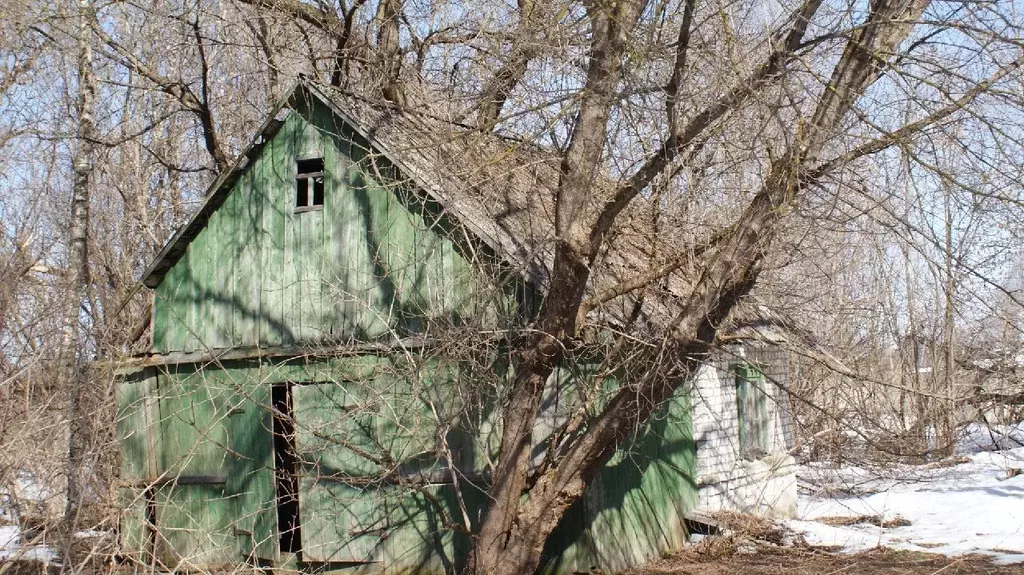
309, 184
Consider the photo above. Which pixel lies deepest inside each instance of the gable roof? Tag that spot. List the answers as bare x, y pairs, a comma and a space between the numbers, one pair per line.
493, 186
420, 147
502, 190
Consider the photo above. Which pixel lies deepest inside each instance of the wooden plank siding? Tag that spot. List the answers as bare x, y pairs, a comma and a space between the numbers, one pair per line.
378, 263
135, 422
633, 511
194, 462
210, 486
377, 259
373, 488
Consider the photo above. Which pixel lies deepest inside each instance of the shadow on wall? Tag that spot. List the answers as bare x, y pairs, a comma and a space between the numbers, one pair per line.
388, 258
633, 511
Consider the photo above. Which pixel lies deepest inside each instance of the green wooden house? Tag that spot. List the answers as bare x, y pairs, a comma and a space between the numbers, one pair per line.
325, 332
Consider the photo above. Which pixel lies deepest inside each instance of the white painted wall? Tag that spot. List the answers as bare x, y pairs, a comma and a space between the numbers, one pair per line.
725, 479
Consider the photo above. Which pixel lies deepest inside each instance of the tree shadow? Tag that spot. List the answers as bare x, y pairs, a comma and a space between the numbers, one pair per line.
633, 510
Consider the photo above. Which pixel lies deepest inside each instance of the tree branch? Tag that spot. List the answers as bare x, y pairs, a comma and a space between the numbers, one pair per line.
174, 88
500, 85
770, 71
302, 11
901, 135
672, 88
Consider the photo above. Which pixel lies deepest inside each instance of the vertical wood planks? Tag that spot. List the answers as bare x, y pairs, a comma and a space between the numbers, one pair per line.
218, 305
193, 510
195, 527
378, 256
633, 511
228, 265
216, 422
251, 480
172, 309
248, 229
193, 415
277, 172
341, 521
136, 424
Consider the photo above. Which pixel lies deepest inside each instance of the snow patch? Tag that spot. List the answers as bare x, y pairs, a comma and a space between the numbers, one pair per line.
977, 437
10, 536
973, 505
11, 547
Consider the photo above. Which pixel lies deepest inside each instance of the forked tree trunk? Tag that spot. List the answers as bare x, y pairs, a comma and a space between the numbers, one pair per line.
513, 532
505, 544
525, 510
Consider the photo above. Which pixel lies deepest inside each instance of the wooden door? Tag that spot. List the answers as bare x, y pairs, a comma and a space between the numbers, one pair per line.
341, 511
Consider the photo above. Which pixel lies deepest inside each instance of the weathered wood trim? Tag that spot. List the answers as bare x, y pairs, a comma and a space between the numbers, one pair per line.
177, 480
151, 418
438, 477
289, 351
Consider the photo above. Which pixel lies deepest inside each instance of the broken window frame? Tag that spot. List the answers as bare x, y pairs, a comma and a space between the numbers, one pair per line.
753, 415
309, 197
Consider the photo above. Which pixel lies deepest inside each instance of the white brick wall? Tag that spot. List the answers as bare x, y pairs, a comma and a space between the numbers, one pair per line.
725, 479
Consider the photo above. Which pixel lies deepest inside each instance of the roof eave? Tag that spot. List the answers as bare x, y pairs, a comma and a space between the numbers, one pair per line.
215, 195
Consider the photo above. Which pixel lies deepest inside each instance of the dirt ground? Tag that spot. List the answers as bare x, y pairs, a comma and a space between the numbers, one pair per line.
766, 561
817, 561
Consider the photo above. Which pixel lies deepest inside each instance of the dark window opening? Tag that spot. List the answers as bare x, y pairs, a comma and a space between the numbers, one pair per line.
286, 470
309, 184
152, 535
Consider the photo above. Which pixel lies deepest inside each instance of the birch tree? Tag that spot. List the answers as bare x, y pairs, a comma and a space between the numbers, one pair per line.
78, 271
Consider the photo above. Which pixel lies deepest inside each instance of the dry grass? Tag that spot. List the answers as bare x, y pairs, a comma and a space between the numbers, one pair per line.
948, 462
758, 546
751, 527
876, 520
27, 567
818, 561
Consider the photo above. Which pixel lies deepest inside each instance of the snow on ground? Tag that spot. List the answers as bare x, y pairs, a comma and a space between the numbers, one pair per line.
11, 547
976, 437
30, 494
973, 504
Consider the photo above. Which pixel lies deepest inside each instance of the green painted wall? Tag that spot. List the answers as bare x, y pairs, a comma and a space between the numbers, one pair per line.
358, 419
752, 413
198, 461
377, 257
198, 451
633, 511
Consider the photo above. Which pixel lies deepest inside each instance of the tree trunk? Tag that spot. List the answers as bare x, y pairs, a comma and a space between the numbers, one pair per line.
513, 532
499, 86
389, 54
78, 272
948, 432
525, 510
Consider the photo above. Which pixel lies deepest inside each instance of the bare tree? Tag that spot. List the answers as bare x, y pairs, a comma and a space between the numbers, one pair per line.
78, 288
755, 139
515, 528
